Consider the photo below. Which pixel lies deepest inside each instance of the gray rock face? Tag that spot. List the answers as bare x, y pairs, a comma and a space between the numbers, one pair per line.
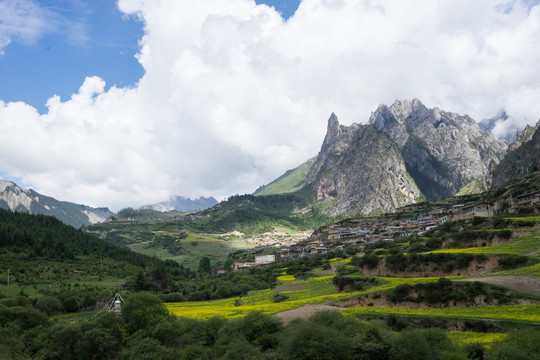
407, 153
524, 136
15, 198
523, 157
360, 170
442, 151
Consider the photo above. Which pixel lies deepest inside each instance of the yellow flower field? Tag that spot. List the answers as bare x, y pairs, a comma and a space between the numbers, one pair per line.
318, 290
286, 278
527, 313
524, 245
468, 337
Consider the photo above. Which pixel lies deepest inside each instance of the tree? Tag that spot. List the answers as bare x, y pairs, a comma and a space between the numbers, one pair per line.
140, 282
204, 265
228, 264
314, 341
141, 310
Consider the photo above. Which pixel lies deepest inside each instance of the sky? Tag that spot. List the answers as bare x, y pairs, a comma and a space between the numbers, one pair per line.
125, 103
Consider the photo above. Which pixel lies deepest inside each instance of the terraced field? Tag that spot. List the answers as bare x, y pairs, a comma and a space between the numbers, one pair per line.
525, 245
319, 289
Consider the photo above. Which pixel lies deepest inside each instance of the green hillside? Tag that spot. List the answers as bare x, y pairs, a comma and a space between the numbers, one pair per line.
293, 180
321, 306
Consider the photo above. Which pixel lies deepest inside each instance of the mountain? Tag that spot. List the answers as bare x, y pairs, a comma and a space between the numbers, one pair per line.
523, 157
15, 198
360, 170
405, 154
183, 204
443, 151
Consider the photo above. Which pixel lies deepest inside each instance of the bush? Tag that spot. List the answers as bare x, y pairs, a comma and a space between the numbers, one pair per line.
303, 340
510, 261
140, 310
280, 298
49, 305
173, 297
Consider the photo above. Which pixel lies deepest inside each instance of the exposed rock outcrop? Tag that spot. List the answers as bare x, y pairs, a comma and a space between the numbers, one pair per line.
405, 154
523, 157
443, 151
360, 170
15, 198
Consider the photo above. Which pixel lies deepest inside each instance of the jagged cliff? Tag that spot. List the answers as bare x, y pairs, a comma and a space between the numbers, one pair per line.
443, 151
360, 170
15, 198
406, 153
523, 157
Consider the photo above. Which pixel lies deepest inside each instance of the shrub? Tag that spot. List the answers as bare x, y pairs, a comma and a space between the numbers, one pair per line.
49, 305
510, 261
280, 298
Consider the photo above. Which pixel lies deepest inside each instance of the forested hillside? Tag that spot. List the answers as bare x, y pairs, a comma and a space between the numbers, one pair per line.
45, 237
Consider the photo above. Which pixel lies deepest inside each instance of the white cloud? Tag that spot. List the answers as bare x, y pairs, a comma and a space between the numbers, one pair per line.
27, 21
233, 95
23, 20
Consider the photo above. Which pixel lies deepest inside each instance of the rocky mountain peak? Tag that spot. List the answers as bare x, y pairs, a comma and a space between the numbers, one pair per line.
402, 109
333, 131
524, 136
15, 198
386, 117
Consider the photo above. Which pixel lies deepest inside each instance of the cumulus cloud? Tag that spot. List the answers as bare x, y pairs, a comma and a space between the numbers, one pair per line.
233, 95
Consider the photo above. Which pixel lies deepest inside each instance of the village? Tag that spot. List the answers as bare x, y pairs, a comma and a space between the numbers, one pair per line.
357, 233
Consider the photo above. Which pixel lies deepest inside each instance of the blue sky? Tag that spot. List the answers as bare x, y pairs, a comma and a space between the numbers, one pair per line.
87, 38
225, 96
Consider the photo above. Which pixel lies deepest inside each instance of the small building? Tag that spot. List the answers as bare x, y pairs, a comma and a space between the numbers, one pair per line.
482, 209
405, 234
265, 259
528, 200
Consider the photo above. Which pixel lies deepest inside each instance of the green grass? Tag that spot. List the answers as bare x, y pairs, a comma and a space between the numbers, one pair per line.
196, 246
526, 218
521, 313
72, 317
318, 290
531, 270
524, 245
291, 181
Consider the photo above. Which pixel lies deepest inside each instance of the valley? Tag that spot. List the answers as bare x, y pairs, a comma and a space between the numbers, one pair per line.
360, 248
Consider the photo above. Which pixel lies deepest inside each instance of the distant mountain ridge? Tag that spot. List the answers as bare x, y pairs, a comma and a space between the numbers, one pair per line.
523, 157
405, 154
15, 198
183, 204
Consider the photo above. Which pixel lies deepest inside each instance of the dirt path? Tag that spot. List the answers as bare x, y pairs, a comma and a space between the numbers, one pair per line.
526, 284
304, 312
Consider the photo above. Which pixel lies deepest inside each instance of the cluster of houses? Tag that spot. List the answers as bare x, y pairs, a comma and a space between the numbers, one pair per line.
358, 233
526, 200
260, 260
278, 239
